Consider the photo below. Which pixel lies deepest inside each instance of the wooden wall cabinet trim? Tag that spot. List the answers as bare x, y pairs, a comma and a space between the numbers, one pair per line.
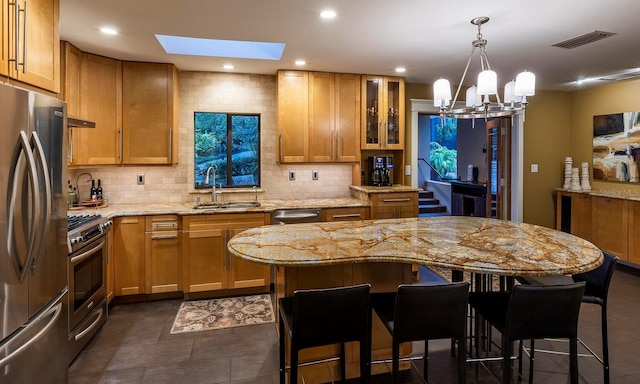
129, 255
150, 113
40, 43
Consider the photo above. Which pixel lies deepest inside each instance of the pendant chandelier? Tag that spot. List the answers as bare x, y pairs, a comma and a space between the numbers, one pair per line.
478, 98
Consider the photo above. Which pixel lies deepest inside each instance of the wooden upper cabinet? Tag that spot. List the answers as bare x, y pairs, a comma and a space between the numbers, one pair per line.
293, 116
347, 121
38, 44
321, 126
321, 116
100, 102
150, 128
382, 112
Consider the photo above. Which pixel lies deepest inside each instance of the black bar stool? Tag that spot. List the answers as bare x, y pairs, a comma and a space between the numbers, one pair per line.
317, 317
531, 312
424, 312
596, 292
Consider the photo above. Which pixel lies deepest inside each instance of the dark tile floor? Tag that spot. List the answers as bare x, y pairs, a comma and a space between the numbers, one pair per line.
135, 346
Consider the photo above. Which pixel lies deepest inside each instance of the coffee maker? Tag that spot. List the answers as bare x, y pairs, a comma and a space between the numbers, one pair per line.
379, 171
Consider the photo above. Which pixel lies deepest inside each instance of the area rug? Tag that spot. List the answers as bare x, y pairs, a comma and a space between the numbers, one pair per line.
203, 315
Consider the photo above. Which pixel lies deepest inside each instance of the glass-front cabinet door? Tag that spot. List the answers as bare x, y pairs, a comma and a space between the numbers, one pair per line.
383, 112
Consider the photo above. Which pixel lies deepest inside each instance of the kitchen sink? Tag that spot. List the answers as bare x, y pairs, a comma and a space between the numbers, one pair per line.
227, 205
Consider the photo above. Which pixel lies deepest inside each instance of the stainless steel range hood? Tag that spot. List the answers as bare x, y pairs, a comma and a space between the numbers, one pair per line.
74, 122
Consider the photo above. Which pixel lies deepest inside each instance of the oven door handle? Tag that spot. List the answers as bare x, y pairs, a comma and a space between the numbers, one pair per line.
98, 315
78, 258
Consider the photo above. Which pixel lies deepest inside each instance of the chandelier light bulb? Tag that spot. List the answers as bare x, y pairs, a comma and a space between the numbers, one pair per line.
509, 93
525, 84
441, 93
473, 99
487, 83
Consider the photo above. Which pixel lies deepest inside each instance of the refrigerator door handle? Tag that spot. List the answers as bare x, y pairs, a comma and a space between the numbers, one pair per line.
53, 312
37, 145
23, 148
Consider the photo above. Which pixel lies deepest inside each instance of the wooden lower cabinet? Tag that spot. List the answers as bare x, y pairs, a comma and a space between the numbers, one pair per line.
394, 205
634, 232
207, 265
610, 225
163, 261
129, 255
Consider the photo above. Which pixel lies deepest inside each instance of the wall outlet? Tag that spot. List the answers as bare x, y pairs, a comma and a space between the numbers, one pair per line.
534, 168
407, 170
314, 175
292, 175
140, 178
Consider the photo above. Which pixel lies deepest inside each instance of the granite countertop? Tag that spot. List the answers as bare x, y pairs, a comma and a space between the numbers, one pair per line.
111, 211
626, 194
471, 244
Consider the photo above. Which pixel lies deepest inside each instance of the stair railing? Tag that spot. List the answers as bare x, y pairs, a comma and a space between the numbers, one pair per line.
440, 177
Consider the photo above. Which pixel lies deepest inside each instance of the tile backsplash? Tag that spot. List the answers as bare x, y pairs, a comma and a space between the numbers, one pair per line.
218, 92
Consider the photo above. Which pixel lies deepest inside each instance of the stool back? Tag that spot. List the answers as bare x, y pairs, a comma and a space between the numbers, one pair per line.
427, 312
598, 280
331, 315
548, 311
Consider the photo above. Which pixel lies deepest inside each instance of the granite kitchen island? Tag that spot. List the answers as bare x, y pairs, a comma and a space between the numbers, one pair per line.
380, 252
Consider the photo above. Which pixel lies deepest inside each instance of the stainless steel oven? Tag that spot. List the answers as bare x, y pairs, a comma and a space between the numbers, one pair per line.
87, 262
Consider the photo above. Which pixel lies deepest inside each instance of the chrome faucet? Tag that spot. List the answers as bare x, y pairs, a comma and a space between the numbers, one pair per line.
213, 185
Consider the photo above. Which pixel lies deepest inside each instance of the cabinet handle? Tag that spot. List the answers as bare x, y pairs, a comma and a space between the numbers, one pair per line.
172, 225
338, 141
395, 200
16, 40
24, 46
170, 142
281, 155
164, 237
224, 250
70, 157
120, 156
347, 215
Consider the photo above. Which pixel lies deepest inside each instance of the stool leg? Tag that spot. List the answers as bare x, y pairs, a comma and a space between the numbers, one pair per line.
605, 344
507, 349
343, 365
282, 352
531, 360
573, 360
462, 360
395, 363
365, 363
426, 359
293, 373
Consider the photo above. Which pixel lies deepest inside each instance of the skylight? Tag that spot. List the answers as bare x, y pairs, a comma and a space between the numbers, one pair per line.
179, 45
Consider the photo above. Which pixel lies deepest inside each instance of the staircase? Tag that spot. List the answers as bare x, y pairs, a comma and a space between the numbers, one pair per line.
429, 206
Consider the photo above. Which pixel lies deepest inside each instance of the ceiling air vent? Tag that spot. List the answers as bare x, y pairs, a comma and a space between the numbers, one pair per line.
621, 76
584, 39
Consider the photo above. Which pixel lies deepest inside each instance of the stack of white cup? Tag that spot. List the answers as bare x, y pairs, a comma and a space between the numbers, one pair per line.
575, 180
568, 163
585, 185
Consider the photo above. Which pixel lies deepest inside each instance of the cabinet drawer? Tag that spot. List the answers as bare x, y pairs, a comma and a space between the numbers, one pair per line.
396, 199
345, 214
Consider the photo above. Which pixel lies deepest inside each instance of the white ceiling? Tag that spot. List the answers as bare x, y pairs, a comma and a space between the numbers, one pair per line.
431, 39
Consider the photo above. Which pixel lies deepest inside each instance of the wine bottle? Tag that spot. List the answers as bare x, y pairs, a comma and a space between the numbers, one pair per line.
93, 190
99, 191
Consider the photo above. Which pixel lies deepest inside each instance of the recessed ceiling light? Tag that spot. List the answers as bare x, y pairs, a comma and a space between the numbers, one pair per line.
227, 66
300, 62
180, 45
328, 14
401, 69
108, 31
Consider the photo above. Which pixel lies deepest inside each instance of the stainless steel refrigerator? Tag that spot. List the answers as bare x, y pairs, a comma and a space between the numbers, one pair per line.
33, 235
